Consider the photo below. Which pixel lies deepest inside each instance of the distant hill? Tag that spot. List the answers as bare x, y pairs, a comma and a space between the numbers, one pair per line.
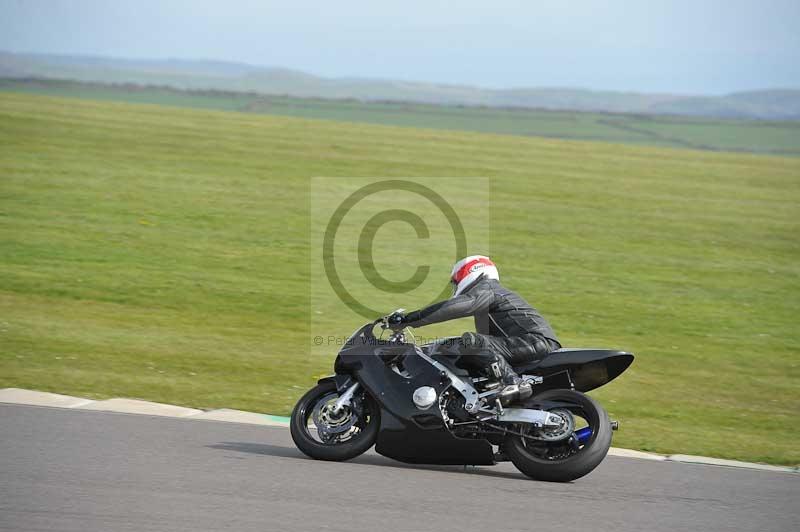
220, 75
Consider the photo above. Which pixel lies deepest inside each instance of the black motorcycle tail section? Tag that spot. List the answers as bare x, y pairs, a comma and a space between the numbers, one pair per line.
585, 369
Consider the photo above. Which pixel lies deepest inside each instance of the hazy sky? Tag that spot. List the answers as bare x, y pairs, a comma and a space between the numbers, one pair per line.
711, 46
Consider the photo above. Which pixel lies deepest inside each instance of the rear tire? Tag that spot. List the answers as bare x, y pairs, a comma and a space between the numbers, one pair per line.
338, 451
576, 465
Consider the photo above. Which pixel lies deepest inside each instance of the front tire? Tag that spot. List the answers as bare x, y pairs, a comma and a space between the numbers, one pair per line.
555, 463
334, 446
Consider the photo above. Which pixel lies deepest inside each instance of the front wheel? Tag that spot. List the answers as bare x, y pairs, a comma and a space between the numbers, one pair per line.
555, 459
323, 434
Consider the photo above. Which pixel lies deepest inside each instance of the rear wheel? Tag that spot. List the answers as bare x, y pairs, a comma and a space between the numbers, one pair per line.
548, 456
324, 434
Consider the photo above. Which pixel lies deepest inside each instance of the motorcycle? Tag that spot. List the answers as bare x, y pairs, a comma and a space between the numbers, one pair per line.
420, 408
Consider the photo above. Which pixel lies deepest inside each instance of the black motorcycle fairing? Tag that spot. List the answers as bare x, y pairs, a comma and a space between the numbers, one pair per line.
407, 433
342, 381
586, 369
393, 391
408, 442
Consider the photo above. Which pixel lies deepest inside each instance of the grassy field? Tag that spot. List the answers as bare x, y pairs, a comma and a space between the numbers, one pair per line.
780, 138
163, 253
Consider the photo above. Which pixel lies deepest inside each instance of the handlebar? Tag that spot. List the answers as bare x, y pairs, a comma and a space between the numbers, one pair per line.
384, 320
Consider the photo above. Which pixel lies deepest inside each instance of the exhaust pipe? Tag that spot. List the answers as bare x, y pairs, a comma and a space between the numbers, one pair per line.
583, 435
515, 393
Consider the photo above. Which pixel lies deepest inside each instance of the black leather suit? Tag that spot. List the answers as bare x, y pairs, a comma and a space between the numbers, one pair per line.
506, 325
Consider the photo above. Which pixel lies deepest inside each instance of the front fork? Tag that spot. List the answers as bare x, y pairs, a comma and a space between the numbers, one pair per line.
346, 398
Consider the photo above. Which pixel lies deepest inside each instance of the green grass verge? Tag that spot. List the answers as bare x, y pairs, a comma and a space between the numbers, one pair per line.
163, 253
780, 138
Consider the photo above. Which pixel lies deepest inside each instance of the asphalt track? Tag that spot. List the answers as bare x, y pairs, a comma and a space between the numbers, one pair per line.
67, 470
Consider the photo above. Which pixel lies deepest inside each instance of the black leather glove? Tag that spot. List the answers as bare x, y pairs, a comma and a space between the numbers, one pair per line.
471, 341
396, 320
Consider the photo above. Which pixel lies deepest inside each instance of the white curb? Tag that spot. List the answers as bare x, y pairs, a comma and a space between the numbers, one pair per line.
239, 416
630, 453
135, 406
705, 460
31, 397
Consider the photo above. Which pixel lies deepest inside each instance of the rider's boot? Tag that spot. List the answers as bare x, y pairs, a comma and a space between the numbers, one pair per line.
516, 389
502, 371
495, 366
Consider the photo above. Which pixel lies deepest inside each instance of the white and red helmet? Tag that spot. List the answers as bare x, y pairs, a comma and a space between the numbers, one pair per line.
468, 270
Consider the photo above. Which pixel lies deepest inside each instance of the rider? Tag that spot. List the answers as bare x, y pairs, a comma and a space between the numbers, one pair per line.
509, 330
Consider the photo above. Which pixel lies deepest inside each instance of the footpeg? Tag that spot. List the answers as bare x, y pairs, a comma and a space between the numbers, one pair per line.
615, 425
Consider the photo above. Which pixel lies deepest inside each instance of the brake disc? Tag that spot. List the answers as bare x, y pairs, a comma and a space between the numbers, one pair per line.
330, 423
